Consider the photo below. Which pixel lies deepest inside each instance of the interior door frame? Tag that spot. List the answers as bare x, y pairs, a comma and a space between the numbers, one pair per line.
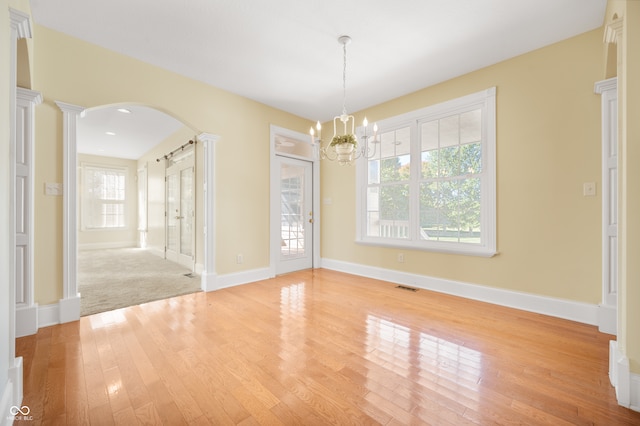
274, 222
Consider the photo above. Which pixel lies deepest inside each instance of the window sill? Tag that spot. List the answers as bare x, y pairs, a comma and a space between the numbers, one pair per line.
446, 248
123, 228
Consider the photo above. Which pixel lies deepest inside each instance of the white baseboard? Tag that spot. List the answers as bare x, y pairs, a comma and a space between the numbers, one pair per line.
103, 246
239, 278
635, 392
48, 315
6, 402
575, 311
66, 310
26, 320
608, 319
16, 377
626, 383
12, 393
69, 309
208, 281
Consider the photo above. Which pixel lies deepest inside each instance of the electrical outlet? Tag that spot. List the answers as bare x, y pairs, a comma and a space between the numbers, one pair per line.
239, 259
400, 257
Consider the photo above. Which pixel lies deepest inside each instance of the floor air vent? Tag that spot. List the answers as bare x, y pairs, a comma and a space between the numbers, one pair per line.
404, 287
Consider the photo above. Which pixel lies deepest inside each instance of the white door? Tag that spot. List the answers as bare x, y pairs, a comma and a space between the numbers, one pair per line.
180, 212
26, 308
295, 214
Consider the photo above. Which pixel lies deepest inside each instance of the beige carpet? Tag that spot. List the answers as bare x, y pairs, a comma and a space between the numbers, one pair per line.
116, 278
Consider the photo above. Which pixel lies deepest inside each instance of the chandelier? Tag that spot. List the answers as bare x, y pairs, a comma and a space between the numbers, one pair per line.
344, 147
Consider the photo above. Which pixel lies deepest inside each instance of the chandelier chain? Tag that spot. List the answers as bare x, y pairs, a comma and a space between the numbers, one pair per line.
344, 79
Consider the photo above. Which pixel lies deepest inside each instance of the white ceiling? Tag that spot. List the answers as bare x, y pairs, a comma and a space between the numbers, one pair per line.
135, 132
285, 53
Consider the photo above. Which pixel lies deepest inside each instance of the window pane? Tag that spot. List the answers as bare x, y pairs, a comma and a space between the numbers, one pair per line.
471, 126
449, 161
449, 131
395, 169
430, 164
394, 211
103, 198
469, 208
471, 158
450, 210
429, 135
292, 220
374, 171
429, 210
387, 144
373, 199
403, 141
373, 224
395, 143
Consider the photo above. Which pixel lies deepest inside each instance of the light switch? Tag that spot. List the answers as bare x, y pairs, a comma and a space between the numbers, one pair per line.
52, 188
589, 189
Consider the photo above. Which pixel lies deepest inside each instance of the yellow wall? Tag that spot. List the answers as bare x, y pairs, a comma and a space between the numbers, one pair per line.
123, 237
548, 145
75, 72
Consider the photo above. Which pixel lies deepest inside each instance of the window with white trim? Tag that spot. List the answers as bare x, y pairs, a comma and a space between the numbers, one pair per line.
103, 197
431, 184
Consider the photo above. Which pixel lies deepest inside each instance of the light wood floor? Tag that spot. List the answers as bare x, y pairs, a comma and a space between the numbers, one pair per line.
317, 348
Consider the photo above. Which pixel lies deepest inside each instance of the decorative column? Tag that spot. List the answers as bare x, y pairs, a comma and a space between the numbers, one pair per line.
69, 305
209, 265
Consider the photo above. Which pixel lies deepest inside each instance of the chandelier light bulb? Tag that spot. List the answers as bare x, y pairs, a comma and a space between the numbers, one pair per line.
365, 123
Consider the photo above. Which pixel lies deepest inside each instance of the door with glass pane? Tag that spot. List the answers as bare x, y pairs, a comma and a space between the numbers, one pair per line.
296, 214
180, 212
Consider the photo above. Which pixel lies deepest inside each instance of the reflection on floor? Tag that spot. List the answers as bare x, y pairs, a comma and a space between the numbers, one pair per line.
319, 347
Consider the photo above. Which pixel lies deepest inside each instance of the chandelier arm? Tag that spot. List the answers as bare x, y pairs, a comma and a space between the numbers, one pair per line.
325, 153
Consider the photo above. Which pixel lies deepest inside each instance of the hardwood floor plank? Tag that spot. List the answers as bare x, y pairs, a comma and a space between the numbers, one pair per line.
320, 347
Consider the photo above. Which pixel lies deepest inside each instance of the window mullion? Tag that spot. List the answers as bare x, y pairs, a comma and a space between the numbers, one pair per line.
414, 183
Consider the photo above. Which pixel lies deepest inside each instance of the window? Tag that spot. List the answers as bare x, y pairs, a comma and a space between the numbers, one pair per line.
103, 197
431, 183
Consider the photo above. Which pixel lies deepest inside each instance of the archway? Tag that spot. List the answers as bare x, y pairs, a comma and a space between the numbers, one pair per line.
69, 305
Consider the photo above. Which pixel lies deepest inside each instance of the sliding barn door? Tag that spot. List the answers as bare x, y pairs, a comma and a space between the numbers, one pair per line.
180, 211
